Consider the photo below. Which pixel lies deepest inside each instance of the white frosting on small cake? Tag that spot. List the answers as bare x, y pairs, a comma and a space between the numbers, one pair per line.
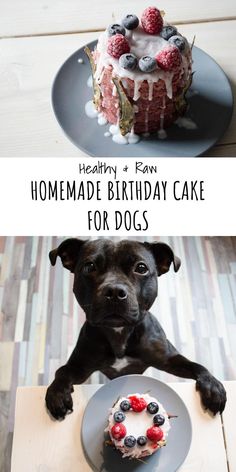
137, 424
141, 44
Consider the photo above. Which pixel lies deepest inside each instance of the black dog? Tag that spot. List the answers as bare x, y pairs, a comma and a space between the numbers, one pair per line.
116, 284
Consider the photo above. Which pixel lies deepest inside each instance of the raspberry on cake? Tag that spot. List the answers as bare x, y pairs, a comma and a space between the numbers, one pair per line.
138, 425
142, 69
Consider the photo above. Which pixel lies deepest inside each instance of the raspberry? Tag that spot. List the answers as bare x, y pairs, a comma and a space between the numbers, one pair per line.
152, 21
118, 431
169, 58
137, 403
154, 433
117, 45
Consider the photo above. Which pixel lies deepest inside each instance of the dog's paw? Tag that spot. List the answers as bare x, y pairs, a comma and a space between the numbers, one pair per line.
59, 401
212, 392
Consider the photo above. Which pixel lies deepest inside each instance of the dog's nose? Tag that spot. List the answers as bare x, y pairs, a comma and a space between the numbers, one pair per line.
115, 292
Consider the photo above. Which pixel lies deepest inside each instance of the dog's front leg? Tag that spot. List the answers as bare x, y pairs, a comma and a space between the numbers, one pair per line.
81, 364
58, 397
212, 392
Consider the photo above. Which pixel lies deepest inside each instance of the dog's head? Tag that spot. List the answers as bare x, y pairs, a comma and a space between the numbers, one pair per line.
115, 282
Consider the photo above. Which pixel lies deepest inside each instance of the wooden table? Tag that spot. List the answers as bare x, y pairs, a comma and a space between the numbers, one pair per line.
37, 37
43, 445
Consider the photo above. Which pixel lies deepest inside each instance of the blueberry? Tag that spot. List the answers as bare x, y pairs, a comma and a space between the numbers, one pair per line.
119, 416
130, 22
178, 41
142, 440
147, 64
130, 441
158, 420
115, 29
152, 408
168, 31
125, 405
128, 61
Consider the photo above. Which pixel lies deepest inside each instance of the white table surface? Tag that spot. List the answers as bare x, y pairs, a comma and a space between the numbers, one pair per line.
38, 35
43, 445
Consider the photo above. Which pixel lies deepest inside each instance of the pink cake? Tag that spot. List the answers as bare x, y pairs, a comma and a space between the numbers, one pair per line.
138, 425
142, 69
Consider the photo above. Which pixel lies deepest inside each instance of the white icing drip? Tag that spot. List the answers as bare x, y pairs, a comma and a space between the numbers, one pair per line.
187, 123
125, 84
91, 112
90, 81
90, 109
150, 89
101, 76
114, 91
146, 119
136, 425
119, 139
102, 120
107, 134
162, 134
129, 138
133, 138
137, 85
162, 116
168, 83
114, 129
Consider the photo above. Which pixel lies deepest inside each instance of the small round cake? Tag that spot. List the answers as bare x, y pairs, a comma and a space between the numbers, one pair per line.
138, 425
142, 69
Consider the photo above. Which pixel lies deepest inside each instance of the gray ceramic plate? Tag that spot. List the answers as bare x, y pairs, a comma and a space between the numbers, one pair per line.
210, 107
104, 458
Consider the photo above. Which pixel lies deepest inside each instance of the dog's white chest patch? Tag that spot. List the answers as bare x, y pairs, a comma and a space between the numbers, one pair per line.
118, 330
120, 364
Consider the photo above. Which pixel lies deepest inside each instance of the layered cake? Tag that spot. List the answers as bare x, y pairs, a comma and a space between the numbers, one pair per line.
138, 425
142, 69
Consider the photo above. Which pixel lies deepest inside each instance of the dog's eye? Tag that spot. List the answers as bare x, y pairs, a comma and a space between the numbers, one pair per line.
141, 268
89, 267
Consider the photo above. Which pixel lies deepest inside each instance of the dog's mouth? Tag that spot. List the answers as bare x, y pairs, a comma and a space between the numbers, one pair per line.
115, 320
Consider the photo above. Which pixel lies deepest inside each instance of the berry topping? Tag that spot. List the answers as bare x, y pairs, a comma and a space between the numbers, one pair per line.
119, 416
142, 440
115, 29
117, 45
130, 441
128, 61
152, 408
178, 41
137, 403
155, 433
118, 431
169, 58
168, 31
130, 22
152, 21
125, 405
158, 420
147, 64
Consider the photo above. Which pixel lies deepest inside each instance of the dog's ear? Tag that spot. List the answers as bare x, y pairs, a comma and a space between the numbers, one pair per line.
163, 256
68, 251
